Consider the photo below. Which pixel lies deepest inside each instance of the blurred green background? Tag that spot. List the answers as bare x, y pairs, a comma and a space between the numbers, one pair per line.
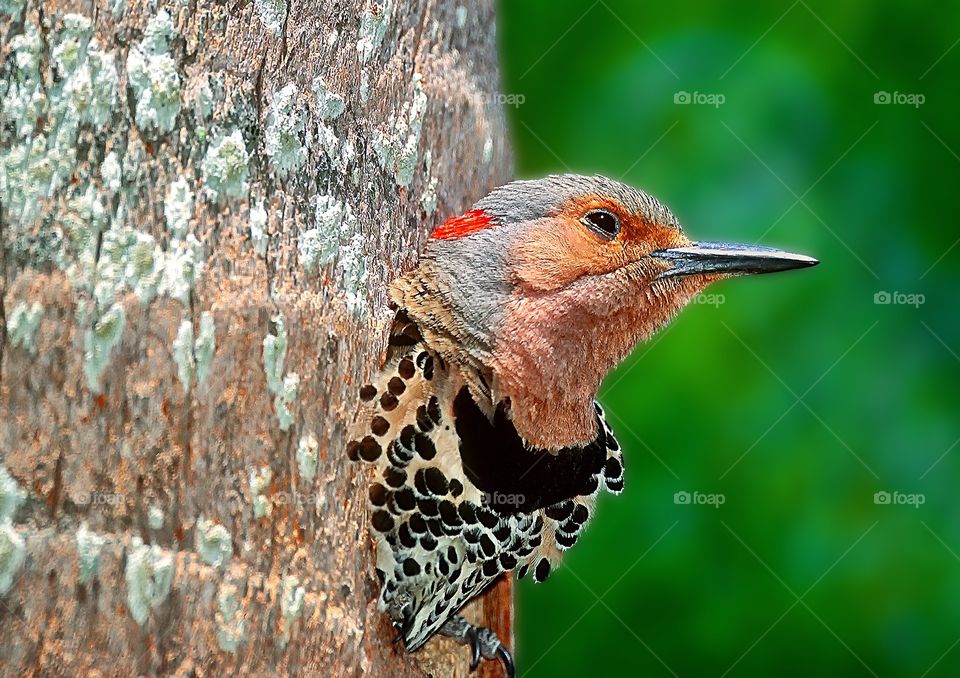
796, 397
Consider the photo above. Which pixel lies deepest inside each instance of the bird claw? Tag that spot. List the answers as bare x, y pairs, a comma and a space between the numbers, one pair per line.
474, 648
401, 627
509, 668
490, 646
484, 644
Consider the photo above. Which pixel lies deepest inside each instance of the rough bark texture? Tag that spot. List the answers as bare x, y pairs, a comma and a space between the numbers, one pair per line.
201, 207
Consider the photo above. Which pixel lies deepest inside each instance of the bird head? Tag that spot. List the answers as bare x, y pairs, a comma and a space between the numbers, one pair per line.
545, 285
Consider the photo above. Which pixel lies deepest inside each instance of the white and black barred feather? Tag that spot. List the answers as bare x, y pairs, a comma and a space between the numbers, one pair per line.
456, 500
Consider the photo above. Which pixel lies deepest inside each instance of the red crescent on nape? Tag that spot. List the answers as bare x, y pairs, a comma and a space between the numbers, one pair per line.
465, 224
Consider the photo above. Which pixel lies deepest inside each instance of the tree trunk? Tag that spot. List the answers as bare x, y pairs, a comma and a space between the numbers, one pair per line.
201, 208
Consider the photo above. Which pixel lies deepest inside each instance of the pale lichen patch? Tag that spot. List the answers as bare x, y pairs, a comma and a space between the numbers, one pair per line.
101, 339
89, 546
285, 400
225, 170
111, 174
178, 206
27, 50
407, 156
152, 73
273, 14
194, 356
283, 387
335, 222
91, 88
205, 96
364, 87
308, 454
44, 118
83, 219
283, 131
149, 577
25, 101
231, 625
326, 139
31, 172
128, 260
330, 105
12, 7
353, 265
347, 154
275, 353
213, 543
155, 517
373, 26
132, 260
22, 325
313, 248
398, 150
13, 552
260, 481
181, 265
336, 234
258, 228
428, 201
292, 596
68, 52
183, 354
11, 495
205, 346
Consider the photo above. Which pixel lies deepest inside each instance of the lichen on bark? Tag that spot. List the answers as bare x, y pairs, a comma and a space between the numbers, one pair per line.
174, 178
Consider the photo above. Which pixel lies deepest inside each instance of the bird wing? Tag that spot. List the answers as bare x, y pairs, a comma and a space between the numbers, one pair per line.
457, 500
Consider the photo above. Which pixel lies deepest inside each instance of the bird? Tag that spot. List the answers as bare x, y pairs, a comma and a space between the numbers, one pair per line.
484, 444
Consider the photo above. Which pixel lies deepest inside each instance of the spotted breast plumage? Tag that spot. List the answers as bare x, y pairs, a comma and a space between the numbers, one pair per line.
459, 499
485, 447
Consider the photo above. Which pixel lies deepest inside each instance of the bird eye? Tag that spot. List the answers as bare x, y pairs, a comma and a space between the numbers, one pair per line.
603, 223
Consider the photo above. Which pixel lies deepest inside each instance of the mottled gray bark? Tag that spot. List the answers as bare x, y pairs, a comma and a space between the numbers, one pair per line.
201, 207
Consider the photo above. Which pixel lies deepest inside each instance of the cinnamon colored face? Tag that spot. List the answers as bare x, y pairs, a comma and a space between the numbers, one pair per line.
546, 285
589, 236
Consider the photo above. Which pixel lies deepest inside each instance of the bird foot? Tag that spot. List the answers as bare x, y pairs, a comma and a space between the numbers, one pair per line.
482, 641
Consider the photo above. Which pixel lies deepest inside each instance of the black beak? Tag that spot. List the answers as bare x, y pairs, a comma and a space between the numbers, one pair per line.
722, 257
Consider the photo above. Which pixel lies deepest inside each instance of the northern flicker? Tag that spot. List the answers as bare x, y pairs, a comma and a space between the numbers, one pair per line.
486, 446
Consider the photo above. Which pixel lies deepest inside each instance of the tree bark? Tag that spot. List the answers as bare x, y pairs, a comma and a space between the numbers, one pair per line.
201, 208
